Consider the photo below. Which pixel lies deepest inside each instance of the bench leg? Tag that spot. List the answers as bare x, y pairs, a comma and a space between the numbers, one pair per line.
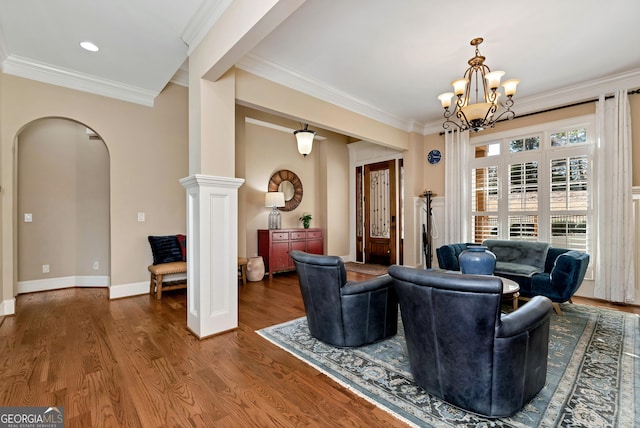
158, 287
152, 288
243, 274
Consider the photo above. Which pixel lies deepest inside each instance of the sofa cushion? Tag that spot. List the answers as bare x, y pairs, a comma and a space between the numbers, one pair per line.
165, 249
515, 269
521, 252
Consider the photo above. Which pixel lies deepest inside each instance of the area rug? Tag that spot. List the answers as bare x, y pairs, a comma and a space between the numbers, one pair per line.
367, 268
592, 377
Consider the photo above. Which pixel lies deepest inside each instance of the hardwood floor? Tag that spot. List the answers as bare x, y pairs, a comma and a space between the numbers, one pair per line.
132, 363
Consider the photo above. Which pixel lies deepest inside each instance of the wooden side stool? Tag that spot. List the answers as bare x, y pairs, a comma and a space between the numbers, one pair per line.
158, 271
242, 269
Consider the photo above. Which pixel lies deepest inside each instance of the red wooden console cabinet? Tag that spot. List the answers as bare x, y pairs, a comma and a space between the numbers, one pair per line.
274, 246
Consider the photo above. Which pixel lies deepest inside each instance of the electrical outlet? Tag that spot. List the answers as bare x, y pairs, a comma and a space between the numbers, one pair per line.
96, 265
45, 268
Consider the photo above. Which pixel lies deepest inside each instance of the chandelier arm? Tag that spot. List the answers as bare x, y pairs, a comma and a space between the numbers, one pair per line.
510, 114
463, 119
446, 125
487, 117
448, 113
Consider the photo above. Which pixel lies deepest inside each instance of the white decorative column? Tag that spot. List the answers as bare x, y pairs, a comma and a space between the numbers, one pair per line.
212, 253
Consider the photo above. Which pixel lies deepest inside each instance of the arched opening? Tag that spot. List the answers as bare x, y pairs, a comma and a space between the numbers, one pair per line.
62, 206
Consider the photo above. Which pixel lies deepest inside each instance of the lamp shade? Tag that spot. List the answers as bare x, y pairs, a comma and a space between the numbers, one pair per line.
274, 199
304, 137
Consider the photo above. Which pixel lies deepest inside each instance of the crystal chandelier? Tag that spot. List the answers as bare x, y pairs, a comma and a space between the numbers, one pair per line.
475, 105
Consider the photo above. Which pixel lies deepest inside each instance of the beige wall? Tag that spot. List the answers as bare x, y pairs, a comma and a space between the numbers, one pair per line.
334, 192
261, 151
255, 91
148, 155
63, 181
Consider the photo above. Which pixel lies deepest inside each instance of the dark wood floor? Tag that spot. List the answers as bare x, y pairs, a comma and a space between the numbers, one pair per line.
132, 363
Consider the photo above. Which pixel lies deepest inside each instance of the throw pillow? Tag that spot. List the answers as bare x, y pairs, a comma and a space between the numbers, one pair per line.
165, 249
182, 240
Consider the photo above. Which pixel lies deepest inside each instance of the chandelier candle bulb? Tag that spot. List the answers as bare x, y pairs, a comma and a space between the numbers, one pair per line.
510, 87
493, 79
445, 99
459, 86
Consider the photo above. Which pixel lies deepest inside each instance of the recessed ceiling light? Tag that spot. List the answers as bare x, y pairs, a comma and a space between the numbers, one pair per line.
89, 46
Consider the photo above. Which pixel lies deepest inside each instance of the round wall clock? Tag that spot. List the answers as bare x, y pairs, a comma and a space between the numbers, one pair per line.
434, 157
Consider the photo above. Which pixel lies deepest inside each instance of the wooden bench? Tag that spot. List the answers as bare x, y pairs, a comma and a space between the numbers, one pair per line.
158, 271
156, 286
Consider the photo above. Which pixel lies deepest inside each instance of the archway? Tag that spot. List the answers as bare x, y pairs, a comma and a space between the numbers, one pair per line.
62, 206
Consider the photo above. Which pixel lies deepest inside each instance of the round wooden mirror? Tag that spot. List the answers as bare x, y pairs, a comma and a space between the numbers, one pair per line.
288, 183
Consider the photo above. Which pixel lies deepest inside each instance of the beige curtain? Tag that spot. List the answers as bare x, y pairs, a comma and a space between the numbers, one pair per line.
456, 212
614, 210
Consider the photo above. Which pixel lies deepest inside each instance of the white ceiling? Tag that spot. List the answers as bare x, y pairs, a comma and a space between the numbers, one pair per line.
386, 59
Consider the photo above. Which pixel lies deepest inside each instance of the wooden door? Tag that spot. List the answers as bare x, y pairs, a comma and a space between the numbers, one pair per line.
380, 212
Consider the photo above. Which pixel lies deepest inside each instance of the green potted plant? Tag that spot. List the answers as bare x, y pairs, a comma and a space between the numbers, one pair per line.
306, 220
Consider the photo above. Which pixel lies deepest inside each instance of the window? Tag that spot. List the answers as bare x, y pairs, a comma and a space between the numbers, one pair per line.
534, 184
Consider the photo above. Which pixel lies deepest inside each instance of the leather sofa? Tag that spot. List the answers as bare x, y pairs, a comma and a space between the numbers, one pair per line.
538, 268
340, 312
462, 349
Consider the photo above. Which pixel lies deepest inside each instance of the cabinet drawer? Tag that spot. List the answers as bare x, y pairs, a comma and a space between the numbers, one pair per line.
280, 236
298, 235
314, 235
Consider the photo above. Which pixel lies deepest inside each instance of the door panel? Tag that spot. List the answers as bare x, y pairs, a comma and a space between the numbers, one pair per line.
380, 213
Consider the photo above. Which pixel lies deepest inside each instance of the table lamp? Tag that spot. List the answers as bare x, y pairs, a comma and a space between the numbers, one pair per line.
274, 200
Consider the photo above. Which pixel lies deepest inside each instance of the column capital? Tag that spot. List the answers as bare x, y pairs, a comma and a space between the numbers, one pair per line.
201, 180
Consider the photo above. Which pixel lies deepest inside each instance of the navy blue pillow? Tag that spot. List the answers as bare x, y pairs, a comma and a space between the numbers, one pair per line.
165, 249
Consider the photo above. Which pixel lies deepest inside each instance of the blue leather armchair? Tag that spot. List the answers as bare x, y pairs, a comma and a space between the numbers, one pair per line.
463, 350
345, 313
558, 279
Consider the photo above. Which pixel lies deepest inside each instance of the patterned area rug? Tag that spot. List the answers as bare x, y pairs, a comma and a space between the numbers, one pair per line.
592, 378
367, 268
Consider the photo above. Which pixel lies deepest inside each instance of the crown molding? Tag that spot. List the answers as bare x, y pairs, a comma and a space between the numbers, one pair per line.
580, 92
181, 77
42, 72
555, 98
317, 89
202, 22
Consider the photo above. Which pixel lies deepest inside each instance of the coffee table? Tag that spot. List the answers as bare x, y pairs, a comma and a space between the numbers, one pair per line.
510, 292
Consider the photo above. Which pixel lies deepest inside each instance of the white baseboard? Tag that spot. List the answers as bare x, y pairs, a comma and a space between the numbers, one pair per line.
127, 290
8, 307
62, 282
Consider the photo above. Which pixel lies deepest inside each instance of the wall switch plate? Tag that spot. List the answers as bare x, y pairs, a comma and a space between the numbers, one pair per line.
45, 268
96, 265
28, 217
141, 217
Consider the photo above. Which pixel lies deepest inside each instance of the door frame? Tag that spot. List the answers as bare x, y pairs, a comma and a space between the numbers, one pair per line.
358, 240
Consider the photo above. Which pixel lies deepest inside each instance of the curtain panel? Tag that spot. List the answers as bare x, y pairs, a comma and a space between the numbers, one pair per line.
615, 276
456, 207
